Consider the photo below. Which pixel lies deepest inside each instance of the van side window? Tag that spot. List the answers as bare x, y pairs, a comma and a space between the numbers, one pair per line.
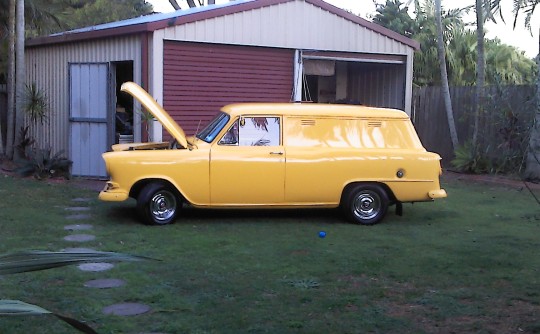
259, 131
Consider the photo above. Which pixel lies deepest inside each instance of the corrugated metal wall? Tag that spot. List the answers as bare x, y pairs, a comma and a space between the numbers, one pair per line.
48, 67
378, 85
201, 78
295, 25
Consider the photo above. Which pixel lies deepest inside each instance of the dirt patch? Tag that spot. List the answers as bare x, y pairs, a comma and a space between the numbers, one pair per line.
500, 317
499, 180
7, 166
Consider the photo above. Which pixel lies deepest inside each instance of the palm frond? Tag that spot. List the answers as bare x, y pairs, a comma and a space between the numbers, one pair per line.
19, 308
40, 260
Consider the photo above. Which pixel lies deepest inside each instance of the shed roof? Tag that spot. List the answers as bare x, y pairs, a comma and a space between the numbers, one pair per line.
154, 22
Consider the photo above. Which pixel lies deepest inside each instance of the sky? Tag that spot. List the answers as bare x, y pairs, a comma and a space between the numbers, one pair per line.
520, 37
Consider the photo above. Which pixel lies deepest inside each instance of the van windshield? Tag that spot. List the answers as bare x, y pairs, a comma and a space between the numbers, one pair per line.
213, 128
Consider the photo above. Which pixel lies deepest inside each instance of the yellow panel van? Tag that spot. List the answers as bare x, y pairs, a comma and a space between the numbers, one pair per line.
277, 155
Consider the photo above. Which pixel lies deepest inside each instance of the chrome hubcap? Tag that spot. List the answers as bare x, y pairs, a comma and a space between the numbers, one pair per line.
367, 205
163, 205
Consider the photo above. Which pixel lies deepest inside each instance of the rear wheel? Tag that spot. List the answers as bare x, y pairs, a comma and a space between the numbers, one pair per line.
365, 204
158, 204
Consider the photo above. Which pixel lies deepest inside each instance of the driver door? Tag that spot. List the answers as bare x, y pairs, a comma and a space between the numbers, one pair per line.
247, 165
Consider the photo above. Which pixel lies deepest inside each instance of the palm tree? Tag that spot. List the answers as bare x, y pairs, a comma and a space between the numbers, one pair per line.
444, 76
20, 72
15, 31
480, 69
426, 62
11, 80
525, 6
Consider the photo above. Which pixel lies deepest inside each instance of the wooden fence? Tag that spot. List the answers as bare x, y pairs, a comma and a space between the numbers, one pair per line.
508, 114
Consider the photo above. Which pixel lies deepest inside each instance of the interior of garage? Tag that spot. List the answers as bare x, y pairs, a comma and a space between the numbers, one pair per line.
124, 114
370, 83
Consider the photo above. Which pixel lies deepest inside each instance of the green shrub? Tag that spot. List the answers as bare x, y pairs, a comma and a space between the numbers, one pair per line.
41, 163
471, 160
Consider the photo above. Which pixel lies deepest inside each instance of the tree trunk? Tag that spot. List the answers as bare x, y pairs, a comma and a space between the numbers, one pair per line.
20, 74
10, 124
444, 76
480, 70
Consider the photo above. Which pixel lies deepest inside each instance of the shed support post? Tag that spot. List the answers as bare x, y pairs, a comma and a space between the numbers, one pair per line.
298, 75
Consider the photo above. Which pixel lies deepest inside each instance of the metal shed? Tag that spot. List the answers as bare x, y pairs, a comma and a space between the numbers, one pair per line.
197, 60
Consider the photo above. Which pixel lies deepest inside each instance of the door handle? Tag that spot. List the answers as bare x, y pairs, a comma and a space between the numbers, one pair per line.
276, 153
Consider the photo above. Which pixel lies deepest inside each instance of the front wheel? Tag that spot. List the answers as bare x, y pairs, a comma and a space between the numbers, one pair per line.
365, 204
158, 204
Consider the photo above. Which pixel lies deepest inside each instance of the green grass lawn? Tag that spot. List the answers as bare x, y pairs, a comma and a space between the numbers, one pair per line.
466, 264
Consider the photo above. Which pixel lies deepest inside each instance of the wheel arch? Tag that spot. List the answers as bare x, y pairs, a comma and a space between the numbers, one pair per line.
139, 185
391, 197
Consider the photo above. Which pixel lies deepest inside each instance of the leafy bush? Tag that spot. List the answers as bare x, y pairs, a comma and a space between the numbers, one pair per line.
41, 163
470, 160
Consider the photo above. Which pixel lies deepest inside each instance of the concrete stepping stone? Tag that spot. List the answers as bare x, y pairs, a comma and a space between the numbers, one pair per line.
95, 266
105, 283
80, 216
80, 237
126, 309
82, 200
77, 208
78, 227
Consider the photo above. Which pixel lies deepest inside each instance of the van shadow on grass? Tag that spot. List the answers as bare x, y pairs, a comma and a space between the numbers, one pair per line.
127, 214
413, 215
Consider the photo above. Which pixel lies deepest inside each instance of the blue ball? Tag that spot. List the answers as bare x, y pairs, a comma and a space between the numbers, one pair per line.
322, 234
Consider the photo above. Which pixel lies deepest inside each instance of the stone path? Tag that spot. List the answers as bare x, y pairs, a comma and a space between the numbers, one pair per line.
81, 214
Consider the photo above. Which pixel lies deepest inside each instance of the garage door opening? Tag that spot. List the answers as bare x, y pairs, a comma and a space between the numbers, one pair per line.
124, 114
361, 82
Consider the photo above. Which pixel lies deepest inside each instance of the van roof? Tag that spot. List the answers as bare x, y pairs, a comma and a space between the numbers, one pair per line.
313, 110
